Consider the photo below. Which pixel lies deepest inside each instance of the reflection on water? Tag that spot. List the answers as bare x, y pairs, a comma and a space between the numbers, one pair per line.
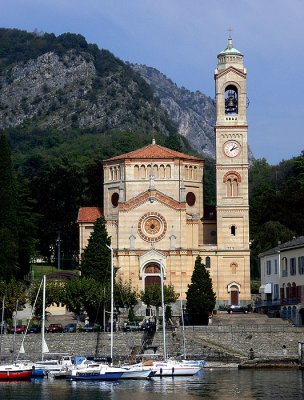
212, 384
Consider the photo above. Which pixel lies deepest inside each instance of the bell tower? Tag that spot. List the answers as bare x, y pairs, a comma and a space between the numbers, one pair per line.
231, 132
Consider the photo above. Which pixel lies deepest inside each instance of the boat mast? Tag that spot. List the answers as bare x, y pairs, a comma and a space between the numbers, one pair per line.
163, 307
112, 300
15, 325
43, 318
183, 324
2, 326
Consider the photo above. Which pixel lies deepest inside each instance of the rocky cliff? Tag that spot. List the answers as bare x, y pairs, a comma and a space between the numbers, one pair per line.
192, 112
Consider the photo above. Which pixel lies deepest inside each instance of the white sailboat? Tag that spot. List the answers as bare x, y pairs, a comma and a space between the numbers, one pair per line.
170, 367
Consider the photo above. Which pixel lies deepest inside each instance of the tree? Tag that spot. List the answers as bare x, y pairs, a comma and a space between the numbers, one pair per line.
54, 294
11, 292
8, 214
96, 258
125, 296
85, 294
58, 193
200, 295
151, 296
27, 226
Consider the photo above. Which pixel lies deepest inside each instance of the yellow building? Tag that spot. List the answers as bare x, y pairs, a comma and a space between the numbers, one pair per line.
154, 208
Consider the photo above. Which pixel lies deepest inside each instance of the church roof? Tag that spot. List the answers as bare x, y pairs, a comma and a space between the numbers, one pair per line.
89, 214
230, 50
154, 151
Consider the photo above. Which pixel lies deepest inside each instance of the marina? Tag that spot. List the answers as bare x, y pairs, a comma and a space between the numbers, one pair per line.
214, 383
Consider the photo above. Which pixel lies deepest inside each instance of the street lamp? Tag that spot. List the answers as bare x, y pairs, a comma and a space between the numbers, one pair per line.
58, 241
112, 300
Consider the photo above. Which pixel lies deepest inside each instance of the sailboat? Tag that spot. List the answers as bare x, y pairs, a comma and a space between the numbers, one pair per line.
15, 370
170, 367
41, 367
106, 372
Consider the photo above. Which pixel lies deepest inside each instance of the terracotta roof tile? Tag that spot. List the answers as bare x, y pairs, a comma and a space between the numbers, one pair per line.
89, 214
154, 151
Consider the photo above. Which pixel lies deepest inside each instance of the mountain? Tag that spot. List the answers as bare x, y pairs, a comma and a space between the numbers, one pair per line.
193, 113
60, 96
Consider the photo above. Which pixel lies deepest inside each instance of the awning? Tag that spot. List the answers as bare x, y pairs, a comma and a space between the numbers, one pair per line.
267, 288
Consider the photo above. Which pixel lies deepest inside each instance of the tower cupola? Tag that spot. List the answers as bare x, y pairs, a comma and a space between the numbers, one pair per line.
230, 56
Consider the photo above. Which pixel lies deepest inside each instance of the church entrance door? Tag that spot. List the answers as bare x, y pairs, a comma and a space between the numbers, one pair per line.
234, 297
152, 274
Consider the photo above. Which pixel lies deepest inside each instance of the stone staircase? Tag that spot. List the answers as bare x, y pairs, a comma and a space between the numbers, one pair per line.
222, 318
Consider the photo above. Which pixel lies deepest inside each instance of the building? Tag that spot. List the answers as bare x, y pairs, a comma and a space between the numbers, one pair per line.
282, 280
154, 203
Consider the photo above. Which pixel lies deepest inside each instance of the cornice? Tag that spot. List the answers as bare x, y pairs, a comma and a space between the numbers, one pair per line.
230, 69
146, 196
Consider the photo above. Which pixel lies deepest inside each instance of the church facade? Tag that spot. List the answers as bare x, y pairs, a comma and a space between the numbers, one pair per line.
154, 203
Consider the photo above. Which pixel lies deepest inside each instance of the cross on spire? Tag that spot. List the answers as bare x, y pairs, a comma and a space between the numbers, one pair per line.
230, 31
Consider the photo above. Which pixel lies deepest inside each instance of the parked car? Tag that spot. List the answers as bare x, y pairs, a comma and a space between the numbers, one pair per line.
54, 328
19, 329
237, 309
148, 326
70, 328
34, 329
90, 328
131, 327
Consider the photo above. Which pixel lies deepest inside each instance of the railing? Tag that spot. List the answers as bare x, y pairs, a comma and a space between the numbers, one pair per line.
244, 328
282, 302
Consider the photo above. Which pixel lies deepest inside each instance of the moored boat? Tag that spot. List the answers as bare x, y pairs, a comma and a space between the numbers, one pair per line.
16, 371
101, 373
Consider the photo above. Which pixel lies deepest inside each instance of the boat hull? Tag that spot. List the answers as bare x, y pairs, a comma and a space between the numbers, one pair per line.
15, 375
174, 369
94, 376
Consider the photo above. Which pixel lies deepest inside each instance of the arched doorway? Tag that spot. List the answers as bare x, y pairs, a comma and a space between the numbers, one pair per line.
234, 295
152, 274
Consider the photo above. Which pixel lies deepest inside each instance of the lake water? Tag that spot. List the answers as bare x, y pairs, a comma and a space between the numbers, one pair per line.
212, 384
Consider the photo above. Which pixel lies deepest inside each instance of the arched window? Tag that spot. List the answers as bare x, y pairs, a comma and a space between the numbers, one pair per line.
168, 171
232, 180
231, 100
195, 173
155, 171
232, 230
284, 267
161, 172
136, 171
186, 172
190, 173
142, 172
207, 262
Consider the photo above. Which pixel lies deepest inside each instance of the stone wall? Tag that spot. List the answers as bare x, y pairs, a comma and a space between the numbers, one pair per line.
213, 343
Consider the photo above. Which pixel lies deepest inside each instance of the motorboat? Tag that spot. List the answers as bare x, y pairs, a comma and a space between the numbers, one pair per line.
101, 372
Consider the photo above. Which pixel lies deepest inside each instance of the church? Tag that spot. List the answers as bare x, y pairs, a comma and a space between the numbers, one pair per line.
154, 203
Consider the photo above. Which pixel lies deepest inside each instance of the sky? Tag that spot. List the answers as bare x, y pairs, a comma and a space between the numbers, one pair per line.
182, 38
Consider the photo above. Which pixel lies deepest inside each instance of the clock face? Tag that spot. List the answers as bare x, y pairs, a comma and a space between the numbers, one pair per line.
232, 148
